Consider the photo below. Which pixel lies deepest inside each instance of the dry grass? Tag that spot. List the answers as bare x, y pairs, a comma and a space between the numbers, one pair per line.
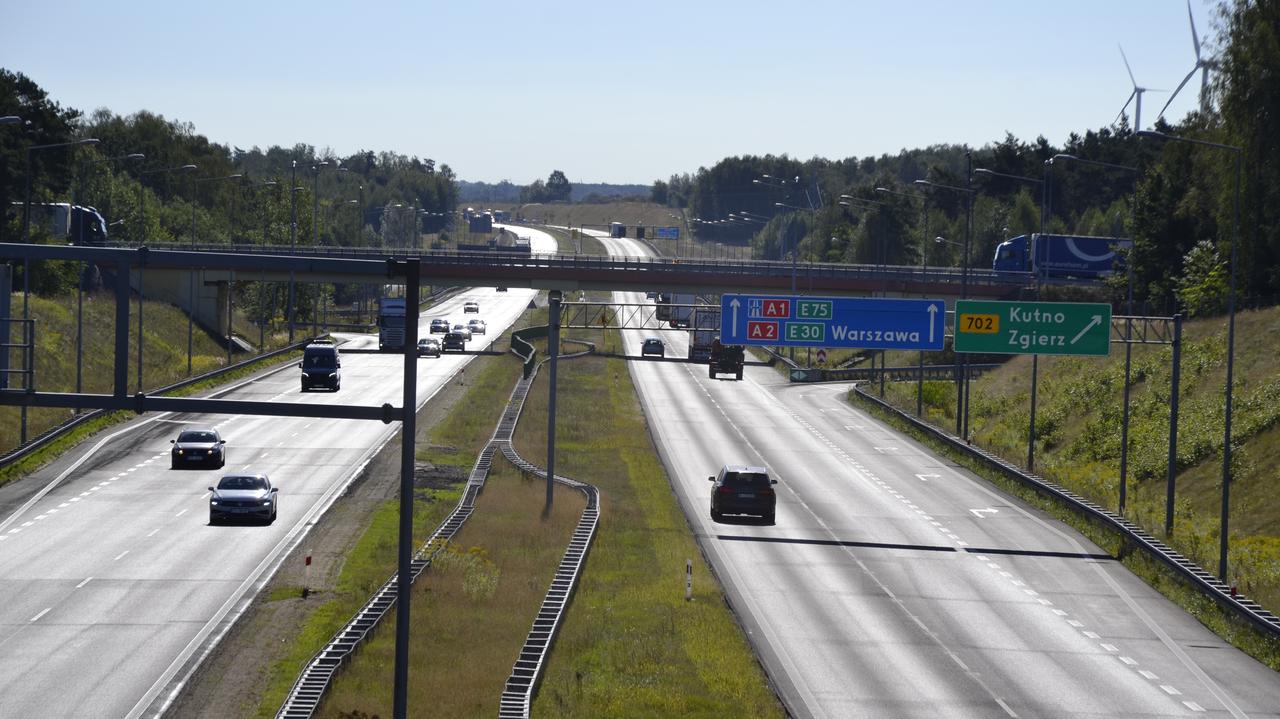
471, 610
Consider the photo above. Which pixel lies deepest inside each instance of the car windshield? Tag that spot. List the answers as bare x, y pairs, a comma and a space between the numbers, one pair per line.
197, 437
320, 360
746, 479
243, 483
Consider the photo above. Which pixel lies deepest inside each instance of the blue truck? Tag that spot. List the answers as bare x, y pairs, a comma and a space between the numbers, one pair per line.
1060, 255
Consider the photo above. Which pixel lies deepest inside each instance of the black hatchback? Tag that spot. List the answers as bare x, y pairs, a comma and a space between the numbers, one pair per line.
740, 489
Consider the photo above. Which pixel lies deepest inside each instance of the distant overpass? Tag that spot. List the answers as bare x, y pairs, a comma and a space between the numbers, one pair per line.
216, 263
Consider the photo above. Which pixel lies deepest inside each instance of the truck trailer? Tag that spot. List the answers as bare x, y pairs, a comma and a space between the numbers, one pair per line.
391, 315
1062, 256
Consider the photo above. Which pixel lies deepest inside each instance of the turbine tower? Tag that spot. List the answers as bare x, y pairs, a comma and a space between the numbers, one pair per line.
1203, 64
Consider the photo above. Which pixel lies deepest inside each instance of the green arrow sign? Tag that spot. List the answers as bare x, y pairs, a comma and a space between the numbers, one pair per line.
1042, 328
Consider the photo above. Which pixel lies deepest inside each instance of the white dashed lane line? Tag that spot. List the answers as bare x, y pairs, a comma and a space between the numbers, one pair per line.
43, 612
86, 581
991, 564
120, 556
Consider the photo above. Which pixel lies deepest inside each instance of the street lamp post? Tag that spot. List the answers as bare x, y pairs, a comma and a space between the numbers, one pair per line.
266, 220
1231, 336
142, 220
962, 406
1035, 358
924, 245
84, 169
192, 300
29, 363
1128, 344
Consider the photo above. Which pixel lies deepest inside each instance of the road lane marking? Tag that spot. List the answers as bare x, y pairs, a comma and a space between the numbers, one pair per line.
1193, 706
45, 611
120, 556
179, 514
152, 533
1170, 690
1130, 662
1146, 674
86, 581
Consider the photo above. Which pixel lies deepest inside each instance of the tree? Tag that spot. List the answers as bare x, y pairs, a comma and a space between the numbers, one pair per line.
658, 194
558, 187
44, 122
1202, 288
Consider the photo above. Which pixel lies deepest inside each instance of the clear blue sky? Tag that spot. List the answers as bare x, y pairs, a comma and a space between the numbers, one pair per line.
609, 91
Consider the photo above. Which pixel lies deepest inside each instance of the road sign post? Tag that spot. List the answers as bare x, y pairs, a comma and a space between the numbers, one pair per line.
853, 322
1040, 328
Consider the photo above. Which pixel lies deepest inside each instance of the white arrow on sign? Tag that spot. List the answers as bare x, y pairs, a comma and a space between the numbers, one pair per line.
927, 477
979, 512
1097, 320
735, 304
933, 314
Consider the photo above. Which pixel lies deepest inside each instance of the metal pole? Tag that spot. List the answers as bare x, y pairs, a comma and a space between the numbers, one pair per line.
1231, 341
1035, 359
553, 348
293, 237
191, 279
26, 281
1124, 420
1172, 470
120, 387
408, 433
84, 270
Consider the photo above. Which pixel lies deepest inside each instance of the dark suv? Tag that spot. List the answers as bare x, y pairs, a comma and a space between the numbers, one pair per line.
321, 366
739, 489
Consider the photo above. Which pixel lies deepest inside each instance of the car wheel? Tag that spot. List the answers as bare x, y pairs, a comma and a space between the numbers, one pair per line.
711, 372
739, 374
716, 515
173, 464
769, 518
304, 388
212, 520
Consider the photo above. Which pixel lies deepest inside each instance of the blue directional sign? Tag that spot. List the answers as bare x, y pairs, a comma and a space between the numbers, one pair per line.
832, 322
667, 233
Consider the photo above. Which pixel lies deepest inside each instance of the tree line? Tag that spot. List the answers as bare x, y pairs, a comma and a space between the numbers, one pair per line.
1175, 200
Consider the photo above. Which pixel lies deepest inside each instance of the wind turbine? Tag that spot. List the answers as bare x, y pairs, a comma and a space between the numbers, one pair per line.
1137, 92
1202, 64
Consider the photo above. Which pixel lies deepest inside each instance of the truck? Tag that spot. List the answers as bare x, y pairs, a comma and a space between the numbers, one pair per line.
523, 243
1060, 256
725, 359
681, 316
391, 314
662, 306
76, 224
704, 332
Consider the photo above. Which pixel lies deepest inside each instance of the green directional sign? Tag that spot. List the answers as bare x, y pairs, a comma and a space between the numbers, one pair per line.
1042, 328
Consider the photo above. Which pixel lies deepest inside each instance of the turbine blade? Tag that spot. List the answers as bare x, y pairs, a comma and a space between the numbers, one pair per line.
1175, 92
1126, 65
1126, 106
1194, 39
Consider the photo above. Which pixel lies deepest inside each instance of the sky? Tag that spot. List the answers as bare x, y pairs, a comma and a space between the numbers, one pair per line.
609, 91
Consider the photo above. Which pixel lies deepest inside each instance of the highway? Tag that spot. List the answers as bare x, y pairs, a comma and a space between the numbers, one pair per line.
114, 583
897, 584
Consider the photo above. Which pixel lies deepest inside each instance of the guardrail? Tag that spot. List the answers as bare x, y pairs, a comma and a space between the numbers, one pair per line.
896, 374
18, 453
314, 680
1223, 595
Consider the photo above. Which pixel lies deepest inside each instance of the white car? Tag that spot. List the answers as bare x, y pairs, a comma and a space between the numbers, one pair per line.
470, 306
477, 327
462, 330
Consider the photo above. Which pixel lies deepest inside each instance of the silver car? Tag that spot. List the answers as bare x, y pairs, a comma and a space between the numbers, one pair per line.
248, 496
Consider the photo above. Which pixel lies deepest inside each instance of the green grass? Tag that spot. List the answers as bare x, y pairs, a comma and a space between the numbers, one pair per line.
1079, 408
164, 354
631, 645
366, 567
471, 610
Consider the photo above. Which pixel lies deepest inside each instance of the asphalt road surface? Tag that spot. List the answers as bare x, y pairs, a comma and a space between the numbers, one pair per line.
897, 584
115, 585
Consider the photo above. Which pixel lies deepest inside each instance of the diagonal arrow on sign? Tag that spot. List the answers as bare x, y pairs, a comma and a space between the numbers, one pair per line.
1097, 319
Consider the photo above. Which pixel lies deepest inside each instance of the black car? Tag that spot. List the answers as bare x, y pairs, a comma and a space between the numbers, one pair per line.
439, 326
739, 489
653, 346
244, 496
454, 341
198, 447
